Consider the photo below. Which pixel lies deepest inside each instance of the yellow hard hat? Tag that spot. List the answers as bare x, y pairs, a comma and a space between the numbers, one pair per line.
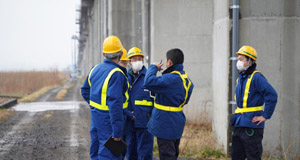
124, 55
112, 44
134, 51
248, 51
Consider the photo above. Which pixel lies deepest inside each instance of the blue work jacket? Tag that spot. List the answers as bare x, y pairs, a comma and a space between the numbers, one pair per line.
169, 91
113, 119
140, 103
260, 93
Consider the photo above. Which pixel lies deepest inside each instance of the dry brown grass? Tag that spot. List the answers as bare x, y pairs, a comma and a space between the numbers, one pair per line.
195, 138
197, 142
5, 113
63, 92
2, 100
34, 96
24, 83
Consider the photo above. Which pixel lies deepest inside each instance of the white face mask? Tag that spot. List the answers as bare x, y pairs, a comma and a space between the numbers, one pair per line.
240, 66
137, 66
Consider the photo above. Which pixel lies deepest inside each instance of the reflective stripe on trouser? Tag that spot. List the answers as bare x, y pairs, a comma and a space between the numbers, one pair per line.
183, 77
103, 105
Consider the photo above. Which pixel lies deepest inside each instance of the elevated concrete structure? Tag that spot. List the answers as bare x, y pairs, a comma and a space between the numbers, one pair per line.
220, 73
273, 28
187, 25
202, 29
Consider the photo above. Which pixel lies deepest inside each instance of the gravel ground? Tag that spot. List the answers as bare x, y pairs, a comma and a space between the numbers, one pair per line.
49, 134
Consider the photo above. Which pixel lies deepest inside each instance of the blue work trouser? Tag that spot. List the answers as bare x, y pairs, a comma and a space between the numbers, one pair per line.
247, 143
140, 145
102, 135
168, 149
94, 147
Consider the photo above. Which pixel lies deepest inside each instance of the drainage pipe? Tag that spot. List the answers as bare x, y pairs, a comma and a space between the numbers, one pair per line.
235, 45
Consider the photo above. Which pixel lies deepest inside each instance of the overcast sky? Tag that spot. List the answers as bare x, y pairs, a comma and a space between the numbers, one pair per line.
36, 34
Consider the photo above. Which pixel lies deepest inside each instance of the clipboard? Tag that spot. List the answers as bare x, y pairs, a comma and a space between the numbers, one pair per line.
115, 147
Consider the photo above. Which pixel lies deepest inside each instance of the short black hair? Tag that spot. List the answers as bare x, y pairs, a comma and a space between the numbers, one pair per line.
176, 56
253, 61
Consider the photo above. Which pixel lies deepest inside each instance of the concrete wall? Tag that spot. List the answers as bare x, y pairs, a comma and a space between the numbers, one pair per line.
187, 25
273, 28
201, 28
125, 22
91, 34
174, 23
220, 72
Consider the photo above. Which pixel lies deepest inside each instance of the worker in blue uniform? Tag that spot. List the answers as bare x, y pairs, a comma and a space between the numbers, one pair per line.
124, 59
124, 62
172, 91
106, 91
252, 92
140, 105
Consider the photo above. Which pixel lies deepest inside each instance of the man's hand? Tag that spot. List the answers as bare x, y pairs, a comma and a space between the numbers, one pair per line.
158, 65
258, 119
117, 139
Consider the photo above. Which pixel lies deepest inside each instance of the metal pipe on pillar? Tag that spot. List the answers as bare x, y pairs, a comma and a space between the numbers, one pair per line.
140, 23
235, 44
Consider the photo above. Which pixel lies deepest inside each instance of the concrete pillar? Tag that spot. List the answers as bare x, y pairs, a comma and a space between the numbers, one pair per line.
187, 25
220, 72
125, 21
272, 28
146, 30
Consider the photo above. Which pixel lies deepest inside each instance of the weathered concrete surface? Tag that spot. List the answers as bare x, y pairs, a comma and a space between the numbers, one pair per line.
201, 28
187, 25
220, 72
273, 29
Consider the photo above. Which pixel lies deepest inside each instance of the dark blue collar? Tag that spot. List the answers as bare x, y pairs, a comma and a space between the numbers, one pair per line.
116, 64
249, 71
176, 67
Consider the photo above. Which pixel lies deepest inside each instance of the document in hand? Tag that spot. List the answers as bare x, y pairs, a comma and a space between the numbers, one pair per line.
115, 147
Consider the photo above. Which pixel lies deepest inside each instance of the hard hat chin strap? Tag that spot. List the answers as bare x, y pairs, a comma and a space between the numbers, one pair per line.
249, 65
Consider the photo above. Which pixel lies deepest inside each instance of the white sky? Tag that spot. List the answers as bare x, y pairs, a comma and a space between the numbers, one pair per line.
36, 34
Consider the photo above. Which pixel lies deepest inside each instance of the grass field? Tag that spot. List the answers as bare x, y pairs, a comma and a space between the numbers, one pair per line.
29, 85
197, 142
24, 83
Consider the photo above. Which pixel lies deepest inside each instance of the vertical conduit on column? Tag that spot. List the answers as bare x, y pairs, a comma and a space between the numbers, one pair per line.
100, 27
235, 44
140, 23
106, 17
146, 30
148, 4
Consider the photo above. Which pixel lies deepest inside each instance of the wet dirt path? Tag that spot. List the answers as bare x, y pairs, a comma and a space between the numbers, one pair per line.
48, 129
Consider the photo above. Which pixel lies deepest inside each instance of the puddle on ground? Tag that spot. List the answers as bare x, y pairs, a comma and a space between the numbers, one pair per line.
46, 106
